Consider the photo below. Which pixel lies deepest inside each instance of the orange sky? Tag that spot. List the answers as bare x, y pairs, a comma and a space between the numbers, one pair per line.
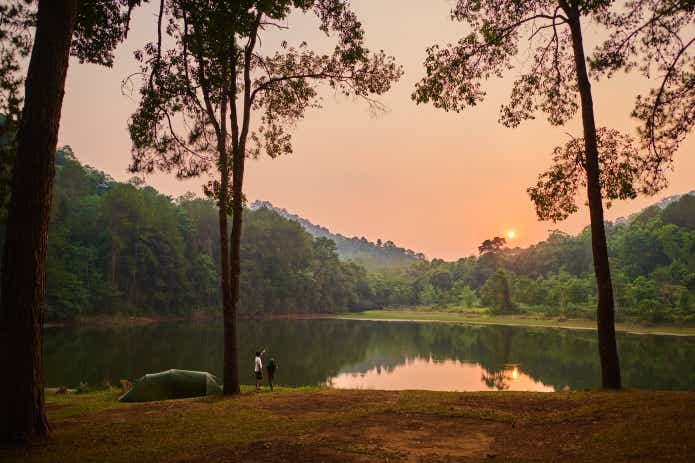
432, 181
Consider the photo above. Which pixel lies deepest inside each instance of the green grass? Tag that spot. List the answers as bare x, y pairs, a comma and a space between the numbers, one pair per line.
315, 424
480, 316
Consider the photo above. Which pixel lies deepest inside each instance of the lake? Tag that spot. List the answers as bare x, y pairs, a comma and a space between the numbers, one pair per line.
371, 354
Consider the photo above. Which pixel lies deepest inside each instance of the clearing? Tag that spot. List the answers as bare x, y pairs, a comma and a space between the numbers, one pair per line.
324, 425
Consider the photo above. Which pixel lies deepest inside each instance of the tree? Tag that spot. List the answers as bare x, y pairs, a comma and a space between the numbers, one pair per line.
557, 74
284, 270
624, 173
429, 294
494, 245
464, 295
90, 32
23, 274
15, 45
214, 78
656, 38
496, 293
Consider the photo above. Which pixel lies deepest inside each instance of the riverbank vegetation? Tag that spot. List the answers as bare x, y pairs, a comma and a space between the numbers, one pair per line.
364, 426
106, 235
121, 249
482, 316
652, 262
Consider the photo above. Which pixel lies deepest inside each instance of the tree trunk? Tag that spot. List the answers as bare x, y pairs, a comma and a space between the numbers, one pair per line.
231, 368
230, 377
608, 352
22, 413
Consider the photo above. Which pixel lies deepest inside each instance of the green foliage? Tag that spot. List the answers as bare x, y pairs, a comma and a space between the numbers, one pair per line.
652, 258
375, 256
125, 249
494, 245
100, 26
464, 295
496, 293
681, 213
7, 154
429, 295
624, 172
285, 270
210, 65
654, 38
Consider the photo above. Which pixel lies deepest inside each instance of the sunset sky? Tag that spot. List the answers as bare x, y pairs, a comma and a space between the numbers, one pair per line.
435, 182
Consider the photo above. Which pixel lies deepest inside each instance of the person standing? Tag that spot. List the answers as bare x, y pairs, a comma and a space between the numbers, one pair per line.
258, 369
271, 367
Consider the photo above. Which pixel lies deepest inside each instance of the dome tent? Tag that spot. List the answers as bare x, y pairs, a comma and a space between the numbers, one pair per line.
172, 384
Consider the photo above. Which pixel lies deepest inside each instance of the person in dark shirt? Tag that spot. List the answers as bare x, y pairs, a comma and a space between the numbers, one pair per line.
271, 367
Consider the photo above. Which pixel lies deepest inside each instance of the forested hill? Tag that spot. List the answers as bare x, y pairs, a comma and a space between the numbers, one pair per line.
652, 265
118, 248
672, 199
124, 248
377, 255
659, 205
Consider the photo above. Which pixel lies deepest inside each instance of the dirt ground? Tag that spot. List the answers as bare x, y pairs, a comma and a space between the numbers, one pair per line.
377, 426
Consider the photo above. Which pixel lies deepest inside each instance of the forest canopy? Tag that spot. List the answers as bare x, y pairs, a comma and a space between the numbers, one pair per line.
123, 248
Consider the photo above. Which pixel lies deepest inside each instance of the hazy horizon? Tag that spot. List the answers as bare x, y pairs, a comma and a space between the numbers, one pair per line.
438, 183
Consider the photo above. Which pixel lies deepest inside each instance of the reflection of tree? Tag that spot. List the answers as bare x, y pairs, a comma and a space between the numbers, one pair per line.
495, 347
310, 351
496, 379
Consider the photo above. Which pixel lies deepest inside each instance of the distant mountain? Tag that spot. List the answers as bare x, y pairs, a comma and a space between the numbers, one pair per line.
660, 205
372, 255
672, 199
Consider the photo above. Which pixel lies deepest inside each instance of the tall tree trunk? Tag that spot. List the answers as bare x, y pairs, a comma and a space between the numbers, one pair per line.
231, 376
231, 366
22, 413
608, 351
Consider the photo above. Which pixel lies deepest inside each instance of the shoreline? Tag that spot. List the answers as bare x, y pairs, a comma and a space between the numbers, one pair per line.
103, 321
452, 318
389, 315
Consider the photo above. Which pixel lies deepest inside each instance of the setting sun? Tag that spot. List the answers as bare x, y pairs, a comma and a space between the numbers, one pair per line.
511, 234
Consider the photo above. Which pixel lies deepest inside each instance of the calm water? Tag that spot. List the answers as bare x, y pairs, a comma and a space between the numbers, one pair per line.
365, 354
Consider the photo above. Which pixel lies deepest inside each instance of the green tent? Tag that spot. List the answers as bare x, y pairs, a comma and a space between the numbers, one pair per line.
172, 384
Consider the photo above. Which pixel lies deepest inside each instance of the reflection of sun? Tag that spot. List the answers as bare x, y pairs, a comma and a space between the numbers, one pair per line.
511, 234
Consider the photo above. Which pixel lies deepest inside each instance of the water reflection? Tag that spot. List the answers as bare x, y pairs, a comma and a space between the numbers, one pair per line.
373, 354
447, 375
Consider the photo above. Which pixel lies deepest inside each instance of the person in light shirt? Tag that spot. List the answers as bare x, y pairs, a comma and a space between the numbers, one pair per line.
258, 369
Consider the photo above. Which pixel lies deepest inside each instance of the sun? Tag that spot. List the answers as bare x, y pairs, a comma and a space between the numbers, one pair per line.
511, 234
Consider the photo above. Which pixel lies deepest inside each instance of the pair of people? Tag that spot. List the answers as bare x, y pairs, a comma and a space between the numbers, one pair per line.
258, 370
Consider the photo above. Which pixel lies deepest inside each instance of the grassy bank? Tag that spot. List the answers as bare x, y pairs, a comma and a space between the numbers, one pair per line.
481, 317
121, 320
211, 315
312, 425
